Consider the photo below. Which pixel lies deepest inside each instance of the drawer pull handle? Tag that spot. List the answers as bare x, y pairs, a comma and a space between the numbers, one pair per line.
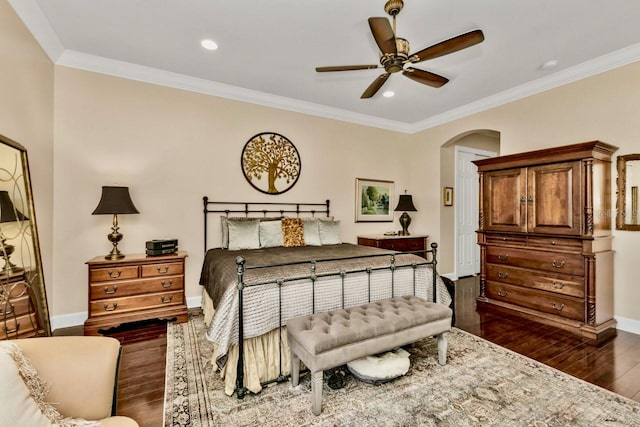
557, 264
504, 239
167, 285
107, 291
11, 331
502, 293
115, 274
503, 257
557, 285
163, 269
557, 307
553, 243
166, 300
502, 275
112, 308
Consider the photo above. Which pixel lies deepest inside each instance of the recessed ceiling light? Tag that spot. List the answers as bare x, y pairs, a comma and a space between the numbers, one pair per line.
388, 94
209, 44
550, 64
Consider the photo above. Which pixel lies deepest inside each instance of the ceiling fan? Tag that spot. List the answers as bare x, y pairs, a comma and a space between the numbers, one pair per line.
395, 55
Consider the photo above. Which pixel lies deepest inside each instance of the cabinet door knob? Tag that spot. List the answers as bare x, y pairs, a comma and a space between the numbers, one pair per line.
557, 264
530, 199
113, 291
523, 200
115, 274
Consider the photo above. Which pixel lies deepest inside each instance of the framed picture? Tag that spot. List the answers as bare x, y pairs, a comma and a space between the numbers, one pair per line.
374, 200
447, 196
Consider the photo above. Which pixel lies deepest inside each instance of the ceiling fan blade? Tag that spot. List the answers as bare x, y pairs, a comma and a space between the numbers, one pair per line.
425, 77
375, 86
346, 68
448, 46
383, 35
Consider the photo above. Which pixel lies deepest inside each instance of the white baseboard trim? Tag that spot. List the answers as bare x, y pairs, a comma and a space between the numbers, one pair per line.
77, 319
628, 325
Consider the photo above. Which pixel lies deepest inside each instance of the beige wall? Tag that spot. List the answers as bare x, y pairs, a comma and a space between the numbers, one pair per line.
172, 147
603, 107
26, 116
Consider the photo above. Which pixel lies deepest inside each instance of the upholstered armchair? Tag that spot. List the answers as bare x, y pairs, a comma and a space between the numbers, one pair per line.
82, 374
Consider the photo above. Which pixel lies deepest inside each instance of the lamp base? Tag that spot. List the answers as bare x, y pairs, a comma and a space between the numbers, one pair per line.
114, 237
405, 221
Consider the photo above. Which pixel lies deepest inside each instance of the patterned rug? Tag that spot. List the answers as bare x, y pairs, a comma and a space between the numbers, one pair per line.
482, 384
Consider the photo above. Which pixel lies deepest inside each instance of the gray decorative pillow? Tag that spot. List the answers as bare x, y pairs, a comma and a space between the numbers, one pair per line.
225, 227
243, 234
311, 232
329, 232
270, 234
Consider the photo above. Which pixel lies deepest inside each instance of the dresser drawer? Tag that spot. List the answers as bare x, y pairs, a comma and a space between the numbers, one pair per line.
135, 287
165, 269
403, 245
555, 244
499, 239
556, 283
113, 273
139, 302
538, 300
557, 262
15, 306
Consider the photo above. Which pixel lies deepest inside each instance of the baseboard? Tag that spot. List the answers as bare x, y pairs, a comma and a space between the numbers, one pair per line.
77, 319
628, 325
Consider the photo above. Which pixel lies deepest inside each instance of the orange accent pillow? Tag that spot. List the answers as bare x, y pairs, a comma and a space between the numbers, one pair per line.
292, 232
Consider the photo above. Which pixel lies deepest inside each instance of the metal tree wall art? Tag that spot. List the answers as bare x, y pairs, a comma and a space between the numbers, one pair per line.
270, 163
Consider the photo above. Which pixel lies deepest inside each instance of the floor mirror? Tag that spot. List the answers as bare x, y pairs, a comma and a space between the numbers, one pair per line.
23, 298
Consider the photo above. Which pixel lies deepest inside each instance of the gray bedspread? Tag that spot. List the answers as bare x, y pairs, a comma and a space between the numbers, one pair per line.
268, 306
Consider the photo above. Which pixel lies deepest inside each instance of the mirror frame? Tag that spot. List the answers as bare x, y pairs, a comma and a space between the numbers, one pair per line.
37, 287
621, 193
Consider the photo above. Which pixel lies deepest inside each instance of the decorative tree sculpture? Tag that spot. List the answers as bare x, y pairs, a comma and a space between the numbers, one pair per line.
274, 155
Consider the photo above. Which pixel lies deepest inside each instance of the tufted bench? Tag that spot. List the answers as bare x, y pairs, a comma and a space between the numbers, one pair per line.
330, 339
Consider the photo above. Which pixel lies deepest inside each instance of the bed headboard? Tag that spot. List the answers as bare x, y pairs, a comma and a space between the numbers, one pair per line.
260, 209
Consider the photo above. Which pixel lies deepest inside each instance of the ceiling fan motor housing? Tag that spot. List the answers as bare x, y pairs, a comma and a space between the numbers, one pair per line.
393, 7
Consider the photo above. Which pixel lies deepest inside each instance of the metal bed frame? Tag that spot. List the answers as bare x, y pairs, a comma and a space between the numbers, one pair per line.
298, 208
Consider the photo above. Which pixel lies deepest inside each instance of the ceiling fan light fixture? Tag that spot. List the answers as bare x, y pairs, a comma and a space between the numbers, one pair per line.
389, 94
209, 44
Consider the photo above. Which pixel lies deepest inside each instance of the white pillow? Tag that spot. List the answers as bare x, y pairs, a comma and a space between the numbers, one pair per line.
329, 232
311, 232
243, 234
270, 234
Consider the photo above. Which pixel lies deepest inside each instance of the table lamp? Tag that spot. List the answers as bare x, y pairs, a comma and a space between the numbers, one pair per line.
114, 201
405, 204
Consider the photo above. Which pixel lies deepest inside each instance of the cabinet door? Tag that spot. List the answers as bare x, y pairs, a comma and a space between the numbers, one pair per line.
504, 203
553, 199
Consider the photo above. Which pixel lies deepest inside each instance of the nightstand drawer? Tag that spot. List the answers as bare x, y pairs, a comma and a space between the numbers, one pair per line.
403, 245
18, 327
138, 302
135, 287
113, 273
167, 269
15, 306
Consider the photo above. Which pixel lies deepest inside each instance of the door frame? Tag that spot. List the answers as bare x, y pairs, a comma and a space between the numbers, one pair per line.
461, 204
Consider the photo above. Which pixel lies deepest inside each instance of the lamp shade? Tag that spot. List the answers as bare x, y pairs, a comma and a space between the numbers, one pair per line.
8, 212
115, 200
405, 204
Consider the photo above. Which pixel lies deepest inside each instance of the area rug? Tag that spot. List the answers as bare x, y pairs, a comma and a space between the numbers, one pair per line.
482, 384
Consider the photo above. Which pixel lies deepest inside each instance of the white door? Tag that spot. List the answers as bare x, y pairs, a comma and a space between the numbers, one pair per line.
467, 249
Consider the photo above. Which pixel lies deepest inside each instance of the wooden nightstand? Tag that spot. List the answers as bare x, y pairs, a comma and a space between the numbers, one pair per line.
18, 316
416, 243
136, 287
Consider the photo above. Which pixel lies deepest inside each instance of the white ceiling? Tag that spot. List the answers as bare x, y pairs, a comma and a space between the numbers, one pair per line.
269, 49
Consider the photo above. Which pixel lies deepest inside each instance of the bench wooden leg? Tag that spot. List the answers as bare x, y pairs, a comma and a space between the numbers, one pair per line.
295, 369
442, 348
316, 392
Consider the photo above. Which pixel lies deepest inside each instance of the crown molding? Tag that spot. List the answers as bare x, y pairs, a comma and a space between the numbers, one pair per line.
35, 21
590, 68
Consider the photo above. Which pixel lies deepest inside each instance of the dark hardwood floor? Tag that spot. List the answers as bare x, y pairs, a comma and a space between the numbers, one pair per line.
614, 364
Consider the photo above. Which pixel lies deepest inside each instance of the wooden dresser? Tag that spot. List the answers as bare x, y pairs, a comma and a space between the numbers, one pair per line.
136, 287
545, 237
410, 243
